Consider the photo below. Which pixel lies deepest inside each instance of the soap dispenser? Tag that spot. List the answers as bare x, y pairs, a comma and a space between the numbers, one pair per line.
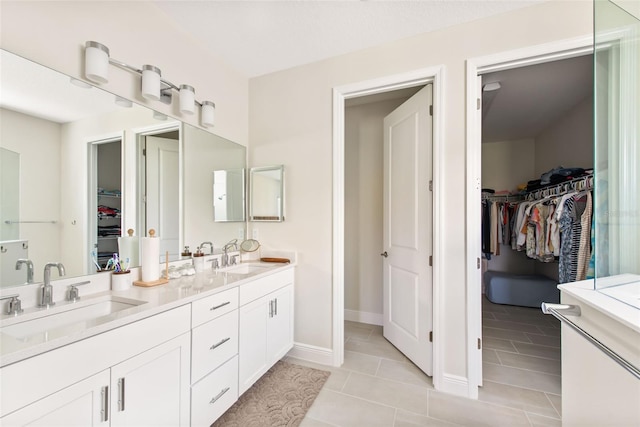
198, 260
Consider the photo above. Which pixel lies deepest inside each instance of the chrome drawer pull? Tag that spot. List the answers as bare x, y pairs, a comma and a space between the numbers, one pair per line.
219, 395
121, 394
219, 343
104, 411
219, 306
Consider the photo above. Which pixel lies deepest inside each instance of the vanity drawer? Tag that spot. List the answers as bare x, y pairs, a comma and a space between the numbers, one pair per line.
214, 306
213, 343
214, 394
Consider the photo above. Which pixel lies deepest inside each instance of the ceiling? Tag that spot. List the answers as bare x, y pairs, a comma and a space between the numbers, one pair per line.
532, 98
260, 37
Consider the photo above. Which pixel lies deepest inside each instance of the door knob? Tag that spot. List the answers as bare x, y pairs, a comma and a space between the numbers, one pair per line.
384, 254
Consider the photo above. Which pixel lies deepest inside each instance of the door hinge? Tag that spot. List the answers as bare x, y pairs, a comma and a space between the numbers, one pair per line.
479, 343
431, 185
430, 336
144, 151
430, 260
478, 263
431, 110
478, 103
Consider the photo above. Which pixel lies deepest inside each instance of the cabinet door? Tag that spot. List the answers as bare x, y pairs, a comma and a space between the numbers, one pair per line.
82, 404
280, 329
152, 388
252, 342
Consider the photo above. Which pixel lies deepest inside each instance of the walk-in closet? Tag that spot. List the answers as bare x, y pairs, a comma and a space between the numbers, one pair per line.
537, 172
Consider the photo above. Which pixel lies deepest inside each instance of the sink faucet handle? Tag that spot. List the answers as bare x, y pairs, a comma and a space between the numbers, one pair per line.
15, 305
73, 294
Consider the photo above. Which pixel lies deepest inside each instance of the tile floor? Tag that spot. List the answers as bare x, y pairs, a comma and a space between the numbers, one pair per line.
378, 386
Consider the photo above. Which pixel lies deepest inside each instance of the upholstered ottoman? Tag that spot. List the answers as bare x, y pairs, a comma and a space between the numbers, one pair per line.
516, 289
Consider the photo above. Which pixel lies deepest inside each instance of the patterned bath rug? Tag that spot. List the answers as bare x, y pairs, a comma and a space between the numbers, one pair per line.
281, 398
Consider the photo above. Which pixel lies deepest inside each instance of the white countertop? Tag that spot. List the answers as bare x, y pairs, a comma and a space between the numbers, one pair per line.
599, 299
158, 299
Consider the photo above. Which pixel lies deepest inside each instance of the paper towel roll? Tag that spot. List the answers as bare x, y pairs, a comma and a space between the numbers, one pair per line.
150, 248
129, 247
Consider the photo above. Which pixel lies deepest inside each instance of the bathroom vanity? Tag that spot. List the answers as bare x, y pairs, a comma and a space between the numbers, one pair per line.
176, 354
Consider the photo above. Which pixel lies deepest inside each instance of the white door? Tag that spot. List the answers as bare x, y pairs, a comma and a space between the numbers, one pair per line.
407, 229
163, 181
478, 271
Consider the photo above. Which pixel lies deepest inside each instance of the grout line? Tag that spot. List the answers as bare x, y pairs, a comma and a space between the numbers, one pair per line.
524, 369
546, 394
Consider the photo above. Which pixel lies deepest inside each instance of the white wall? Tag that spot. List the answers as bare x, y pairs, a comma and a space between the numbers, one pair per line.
364, 137
568, 141
505, 164
291, 123
136, 32
39, 143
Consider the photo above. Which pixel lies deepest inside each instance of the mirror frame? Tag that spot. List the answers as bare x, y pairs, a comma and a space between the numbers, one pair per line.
253, 199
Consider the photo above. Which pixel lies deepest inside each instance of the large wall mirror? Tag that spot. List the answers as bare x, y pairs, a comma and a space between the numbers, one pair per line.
81, 166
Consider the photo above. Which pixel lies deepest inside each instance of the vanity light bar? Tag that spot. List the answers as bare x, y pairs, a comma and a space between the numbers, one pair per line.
154, 87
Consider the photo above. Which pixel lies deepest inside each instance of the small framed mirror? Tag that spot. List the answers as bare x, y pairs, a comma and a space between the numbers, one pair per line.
228, 195
266, 187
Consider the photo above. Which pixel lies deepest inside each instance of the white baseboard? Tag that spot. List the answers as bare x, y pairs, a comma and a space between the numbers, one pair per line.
363, 317
311, 353
455, 384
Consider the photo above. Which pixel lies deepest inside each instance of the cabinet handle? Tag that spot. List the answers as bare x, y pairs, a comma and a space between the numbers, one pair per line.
219, 306
104, 411
218, 344
270, 308
275, 307
121, 394
219, 395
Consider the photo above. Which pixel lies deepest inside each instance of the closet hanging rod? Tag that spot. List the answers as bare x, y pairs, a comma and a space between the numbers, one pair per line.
562, 187
30, 222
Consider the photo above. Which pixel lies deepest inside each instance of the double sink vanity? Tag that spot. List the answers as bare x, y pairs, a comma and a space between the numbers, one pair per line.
174, 354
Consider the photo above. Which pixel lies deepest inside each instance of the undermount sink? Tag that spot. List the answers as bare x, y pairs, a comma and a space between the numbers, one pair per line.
248, 268
80, 313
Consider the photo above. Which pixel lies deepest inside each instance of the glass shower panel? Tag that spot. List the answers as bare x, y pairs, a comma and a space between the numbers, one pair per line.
617, 152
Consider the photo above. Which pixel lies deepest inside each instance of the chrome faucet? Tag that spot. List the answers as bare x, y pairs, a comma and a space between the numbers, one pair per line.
210, 245
225, 257
46, 290
29, 265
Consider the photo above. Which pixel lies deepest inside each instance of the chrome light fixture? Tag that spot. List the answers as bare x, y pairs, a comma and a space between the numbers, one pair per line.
187, 99
96, 62
207, 113
151, 82
153, 86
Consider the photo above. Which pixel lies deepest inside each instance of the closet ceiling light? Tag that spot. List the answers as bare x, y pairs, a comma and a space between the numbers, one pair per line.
123, 102
80, 83
490, 87
96, 62
207, 113
159, 116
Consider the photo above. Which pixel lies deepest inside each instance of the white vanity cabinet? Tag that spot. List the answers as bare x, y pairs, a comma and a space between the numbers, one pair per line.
82, 404
129, 376
266, 325
150, 389
214, 356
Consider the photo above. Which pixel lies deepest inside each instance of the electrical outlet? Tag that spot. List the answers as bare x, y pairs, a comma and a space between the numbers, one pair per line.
241, 233
254, 234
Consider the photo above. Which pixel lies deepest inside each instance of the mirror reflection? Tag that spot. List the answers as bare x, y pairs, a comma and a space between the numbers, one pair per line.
78, 171
267, 193
228, 195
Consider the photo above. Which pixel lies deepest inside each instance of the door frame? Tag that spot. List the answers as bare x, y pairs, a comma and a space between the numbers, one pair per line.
554, 51
140, 203
434, 75
92, 144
